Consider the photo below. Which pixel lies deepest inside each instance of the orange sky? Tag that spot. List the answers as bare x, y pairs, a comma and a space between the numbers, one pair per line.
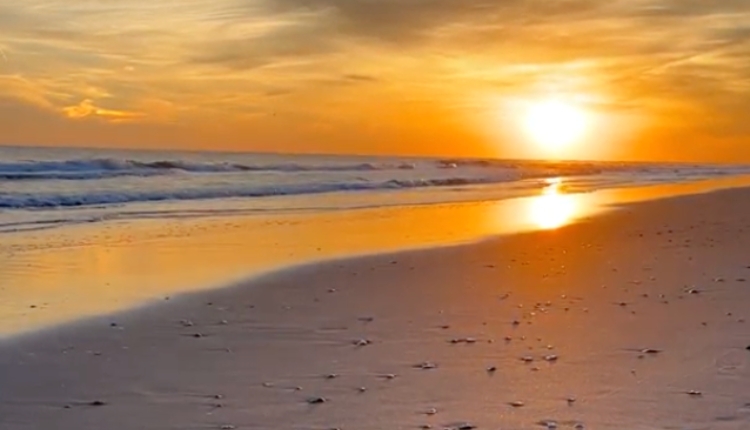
665, 79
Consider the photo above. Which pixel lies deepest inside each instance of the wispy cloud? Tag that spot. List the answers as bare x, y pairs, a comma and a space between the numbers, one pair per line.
87, 109
278, 69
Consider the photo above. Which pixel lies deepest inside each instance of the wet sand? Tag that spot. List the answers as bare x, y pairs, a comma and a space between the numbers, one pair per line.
54, 276
635, 319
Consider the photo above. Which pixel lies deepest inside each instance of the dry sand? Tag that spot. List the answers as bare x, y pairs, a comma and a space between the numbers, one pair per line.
635, 319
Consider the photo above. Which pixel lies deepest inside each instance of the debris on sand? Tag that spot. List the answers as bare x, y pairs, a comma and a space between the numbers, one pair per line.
362, 389
426, 365
527, 359
549, 424
571, 400
651, 351
316, 400
694, 393
331, 376
462, 426
492, 369
551, 358
362, 342
431, 411
98, 403
517, 404
388, 376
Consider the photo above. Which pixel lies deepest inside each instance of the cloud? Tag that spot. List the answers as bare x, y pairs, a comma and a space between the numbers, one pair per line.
360, 78
87, 109
208, 62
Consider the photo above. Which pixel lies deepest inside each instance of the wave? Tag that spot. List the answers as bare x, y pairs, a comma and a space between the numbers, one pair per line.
73, 176
59, 200
103, 168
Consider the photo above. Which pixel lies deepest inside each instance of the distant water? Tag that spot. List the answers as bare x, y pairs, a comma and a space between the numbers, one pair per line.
46, 188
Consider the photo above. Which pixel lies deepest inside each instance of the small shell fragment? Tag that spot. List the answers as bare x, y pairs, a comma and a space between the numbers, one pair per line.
426, 365
316, 400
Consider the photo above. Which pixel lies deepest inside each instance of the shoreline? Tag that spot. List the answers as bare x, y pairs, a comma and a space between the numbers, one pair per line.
273, 275
487, 220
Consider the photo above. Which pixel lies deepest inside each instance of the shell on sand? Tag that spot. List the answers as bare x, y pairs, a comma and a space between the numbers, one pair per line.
316, 400
426, 365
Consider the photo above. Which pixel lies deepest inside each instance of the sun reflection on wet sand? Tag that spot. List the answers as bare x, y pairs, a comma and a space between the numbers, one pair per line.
554, 209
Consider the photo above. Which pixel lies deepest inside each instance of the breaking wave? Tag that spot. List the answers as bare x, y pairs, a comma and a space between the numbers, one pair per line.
103, 168
51, 200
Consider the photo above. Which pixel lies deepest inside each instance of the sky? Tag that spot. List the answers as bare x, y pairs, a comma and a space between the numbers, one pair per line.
658, 79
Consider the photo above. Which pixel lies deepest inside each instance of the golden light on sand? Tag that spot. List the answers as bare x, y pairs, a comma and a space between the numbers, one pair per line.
555, 124
553, 209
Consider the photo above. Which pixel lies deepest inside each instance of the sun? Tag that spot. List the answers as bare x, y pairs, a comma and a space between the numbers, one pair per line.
555, 124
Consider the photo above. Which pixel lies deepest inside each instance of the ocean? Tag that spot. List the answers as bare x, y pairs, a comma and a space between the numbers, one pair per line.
42, 188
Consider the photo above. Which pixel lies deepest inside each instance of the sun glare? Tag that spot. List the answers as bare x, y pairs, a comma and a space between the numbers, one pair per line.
553, 208
555, 124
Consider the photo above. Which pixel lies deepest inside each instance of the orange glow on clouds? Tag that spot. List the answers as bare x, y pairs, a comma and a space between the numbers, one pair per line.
359, 76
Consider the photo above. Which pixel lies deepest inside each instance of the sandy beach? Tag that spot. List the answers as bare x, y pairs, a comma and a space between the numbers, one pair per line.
374, 215
634, 319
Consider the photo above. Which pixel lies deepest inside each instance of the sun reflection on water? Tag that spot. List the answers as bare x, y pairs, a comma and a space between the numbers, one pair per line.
553, 208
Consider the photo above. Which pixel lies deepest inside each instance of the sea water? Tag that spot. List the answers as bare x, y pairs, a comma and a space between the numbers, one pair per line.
42, 188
